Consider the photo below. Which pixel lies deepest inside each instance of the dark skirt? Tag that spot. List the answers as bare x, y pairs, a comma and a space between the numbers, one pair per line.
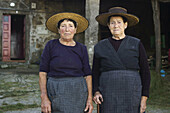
121, 91
67, 95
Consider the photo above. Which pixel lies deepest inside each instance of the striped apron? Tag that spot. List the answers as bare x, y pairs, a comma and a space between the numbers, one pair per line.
121, 91
67, 94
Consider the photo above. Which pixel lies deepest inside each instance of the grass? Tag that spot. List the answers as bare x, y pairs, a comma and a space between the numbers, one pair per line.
17, 106
14, 93
159, 90
13, 89
21, 87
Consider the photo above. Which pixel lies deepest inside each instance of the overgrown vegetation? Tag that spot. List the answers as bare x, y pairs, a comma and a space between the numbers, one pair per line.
159, 90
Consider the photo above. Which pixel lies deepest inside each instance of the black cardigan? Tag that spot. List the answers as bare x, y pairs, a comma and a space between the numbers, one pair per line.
143, 64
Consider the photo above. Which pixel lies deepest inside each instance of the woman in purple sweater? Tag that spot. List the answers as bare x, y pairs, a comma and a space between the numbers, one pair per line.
65, 77
121, 76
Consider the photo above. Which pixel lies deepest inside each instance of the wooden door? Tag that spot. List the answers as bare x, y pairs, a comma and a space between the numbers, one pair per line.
23, 39
6, 37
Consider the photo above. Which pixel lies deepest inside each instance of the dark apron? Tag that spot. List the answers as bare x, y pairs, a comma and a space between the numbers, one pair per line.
67, 95
121, 91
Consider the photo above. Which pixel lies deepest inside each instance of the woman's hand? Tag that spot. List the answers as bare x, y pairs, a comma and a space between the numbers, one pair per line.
143, 104
89, 106
45, 104
89, 103
98, 99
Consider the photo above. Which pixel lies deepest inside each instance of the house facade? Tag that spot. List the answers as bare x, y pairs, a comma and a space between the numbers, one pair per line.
23, 32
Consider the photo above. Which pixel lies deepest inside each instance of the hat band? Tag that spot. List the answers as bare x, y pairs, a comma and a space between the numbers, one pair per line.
117, 11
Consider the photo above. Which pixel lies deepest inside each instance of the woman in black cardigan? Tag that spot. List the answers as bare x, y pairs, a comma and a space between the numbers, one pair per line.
121, 76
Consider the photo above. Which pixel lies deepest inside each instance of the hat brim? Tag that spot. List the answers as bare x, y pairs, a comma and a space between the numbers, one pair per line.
82, 23
131, 19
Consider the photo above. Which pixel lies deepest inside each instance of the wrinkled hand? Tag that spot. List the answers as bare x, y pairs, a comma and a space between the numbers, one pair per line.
45, 105
98, 99
142, 107
143, 104
89, 106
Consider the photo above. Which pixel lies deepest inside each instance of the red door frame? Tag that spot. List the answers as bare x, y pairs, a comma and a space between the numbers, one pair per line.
6, 40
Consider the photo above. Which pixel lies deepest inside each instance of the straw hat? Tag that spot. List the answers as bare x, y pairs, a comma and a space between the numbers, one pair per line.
82, 23
131, 19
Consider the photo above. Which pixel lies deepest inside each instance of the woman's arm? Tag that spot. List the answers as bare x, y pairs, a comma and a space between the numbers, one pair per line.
88, 77
144, 71
98, 99
45, 102
145, 77
89, 104
95, 74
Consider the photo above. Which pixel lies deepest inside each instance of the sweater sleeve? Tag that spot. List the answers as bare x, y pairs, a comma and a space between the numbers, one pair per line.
86, 66
45, 59
95, 74
144, 70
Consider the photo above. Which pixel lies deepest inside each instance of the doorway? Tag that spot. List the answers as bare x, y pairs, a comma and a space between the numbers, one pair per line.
13, 38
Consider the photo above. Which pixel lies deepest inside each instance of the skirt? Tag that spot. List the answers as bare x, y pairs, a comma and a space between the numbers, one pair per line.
67, 95
121, 91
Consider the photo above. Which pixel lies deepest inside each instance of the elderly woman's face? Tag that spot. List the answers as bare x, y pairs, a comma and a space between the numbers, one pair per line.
117, 26
67, 30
